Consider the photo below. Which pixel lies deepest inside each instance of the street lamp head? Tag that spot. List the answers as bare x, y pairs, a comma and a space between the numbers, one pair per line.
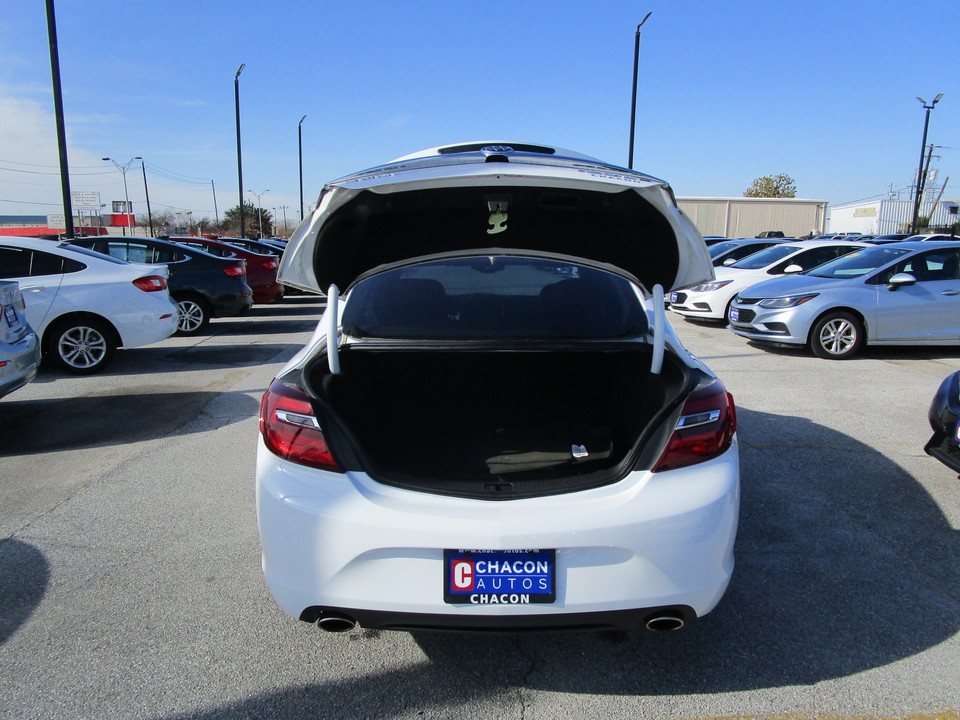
301, 120
922, 100
937, 98
138, 158
240, 69
105, 158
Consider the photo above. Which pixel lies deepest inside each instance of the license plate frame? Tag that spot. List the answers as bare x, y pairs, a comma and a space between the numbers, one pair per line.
499, 577
734, 314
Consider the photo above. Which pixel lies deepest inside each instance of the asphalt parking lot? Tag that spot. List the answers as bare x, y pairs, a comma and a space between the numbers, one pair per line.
130, 584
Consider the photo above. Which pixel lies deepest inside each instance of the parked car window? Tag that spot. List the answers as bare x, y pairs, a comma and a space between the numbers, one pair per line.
141, 253
928, 267
14, 262
859, 262
764, 257
17, 262
811, 258
502, 297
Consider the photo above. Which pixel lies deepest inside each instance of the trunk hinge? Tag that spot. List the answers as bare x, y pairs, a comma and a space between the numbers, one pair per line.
330, 329
659, 330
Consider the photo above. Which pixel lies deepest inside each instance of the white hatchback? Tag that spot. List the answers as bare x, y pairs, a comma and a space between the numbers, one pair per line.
494, 426
84, 305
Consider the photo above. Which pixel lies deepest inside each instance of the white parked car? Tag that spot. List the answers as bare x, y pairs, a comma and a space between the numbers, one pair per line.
84, 305
711, 300
494, 426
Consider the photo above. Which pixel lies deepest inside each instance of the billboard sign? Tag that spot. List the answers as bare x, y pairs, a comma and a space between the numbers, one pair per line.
83, 200
121, 206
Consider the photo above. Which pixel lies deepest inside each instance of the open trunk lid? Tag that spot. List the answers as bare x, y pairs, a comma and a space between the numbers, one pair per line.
506, 199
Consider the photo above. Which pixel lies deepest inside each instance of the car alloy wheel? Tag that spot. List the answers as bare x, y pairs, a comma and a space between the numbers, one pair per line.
836, 336
82, 347
193, 317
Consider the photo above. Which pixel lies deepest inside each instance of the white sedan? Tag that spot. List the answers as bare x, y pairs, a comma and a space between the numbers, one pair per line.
494, 426
84, 305
711, 300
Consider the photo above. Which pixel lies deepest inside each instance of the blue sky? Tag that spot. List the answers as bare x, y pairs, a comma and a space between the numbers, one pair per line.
822, 91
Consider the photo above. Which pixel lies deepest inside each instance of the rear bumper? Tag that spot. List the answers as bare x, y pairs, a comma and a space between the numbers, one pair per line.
343, 543
607, 620
20, 361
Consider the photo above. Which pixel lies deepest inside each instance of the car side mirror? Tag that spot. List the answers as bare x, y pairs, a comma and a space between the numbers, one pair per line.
729, 261
900, 280
793, 269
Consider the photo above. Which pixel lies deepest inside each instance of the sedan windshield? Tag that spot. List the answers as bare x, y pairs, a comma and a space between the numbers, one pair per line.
859, 263
765, 257
493, 297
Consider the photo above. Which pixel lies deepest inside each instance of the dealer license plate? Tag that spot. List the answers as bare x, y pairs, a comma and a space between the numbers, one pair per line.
499, 577
10, 313
734, 314
674, 297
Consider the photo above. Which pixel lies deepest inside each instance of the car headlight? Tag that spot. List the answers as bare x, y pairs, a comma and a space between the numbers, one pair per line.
787, 302
711, 286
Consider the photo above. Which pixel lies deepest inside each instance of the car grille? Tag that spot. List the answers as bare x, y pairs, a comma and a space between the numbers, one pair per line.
746, 316
681, 298
747, 301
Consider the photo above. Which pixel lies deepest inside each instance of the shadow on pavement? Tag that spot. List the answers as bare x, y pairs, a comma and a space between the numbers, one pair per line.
24, 576
844, 564
30, 427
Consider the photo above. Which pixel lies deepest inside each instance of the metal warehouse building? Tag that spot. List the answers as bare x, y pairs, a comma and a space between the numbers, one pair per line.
882, 217
748, 217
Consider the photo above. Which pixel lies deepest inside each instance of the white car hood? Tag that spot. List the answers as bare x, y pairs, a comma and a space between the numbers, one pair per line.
491, 199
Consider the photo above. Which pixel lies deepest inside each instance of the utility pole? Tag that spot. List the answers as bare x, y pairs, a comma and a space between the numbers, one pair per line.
146, 192
236, 97
58, 111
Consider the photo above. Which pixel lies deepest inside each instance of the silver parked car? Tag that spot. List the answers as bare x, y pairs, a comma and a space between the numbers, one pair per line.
19, 347
897, 294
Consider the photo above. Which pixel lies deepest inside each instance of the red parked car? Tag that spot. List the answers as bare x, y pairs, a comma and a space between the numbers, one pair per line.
261, 269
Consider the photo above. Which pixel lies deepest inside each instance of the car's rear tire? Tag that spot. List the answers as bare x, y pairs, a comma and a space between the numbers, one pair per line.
837, 336
194, 315
80, 346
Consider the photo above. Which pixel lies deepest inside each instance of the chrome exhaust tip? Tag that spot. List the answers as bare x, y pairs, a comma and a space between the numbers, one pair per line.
664, 622
336, 623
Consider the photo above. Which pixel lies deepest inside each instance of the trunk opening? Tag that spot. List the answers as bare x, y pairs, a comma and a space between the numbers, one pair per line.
495, 424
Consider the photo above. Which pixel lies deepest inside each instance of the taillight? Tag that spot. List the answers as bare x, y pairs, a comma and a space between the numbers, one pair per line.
270, 264
290, 429
235, 270
704, 431
151, 283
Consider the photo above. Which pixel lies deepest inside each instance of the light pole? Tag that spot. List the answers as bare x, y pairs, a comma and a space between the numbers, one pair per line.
633, 100
126, 198
300, 148
236, 97
284, 208
146, 192
923, 147
259, 210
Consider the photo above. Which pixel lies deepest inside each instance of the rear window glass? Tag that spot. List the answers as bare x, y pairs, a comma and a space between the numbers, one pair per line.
494, 297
